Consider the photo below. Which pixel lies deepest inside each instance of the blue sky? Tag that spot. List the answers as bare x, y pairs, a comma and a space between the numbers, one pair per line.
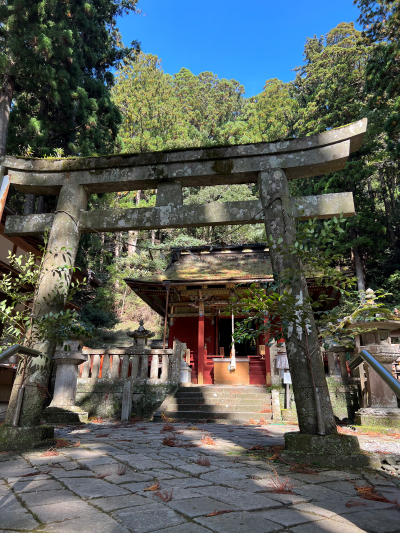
250, 41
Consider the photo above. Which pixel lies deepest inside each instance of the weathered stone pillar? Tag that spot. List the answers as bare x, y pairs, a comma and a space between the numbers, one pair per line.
126, 401
154, 366
135, 366
164, 370
274, 192
61, 250
333, 362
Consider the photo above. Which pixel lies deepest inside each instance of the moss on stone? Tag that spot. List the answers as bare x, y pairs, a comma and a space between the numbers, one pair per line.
223, 167
25, 438
335, 444
105, 399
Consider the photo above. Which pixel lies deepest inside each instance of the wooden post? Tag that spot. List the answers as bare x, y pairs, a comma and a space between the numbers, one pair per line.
310, 389
216, 333
200, 346
166, 313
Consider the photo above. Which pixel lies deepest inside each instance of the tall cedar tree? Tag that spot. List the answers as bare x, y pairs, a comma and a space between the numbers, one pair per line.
55, 62
330, 90
381, 21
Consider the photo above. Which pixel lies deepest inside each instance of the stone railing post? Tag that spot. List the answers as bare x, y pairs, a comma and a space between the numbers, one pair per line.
135, 367
154, 366
175, 362
115, 367
164, 369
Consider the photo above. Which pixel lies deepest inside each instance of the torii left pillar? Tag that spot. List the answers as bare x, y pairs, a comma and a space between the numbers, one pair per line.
52, 290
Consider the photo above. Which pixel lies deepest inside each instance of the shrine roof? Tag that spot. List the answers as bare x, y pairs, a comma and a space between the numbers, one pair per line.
204, 263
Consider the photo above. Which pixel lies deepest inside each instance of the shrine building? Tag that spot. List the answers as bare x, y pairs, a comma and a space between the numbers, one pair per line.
195, 290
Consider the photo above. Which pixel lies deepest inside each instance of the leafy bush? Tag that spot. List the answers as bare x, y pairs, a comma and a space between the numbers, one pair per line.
98, 317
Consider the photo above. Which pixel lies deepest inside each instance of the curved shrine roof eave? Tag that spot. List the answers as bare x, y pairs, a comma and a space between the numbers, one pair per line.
353, 132
131, 282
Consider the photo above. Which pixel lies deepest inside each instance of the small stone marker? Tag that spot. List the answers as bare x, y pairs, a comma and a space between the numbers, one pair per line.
126, 402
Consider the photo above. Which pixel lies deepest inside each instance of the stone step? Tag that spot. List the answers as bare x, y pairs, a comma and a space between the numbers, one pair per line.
221, 401
216, 408
209, 395
252, 389
233, 418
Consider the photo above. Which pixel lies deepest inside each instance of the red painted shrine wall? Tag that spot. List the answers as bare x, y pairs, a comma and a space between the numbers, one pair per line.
186, 330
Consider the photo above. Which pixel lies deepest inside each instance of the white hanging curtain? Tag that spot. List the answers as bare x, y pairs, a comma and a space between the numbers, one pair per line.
233, 353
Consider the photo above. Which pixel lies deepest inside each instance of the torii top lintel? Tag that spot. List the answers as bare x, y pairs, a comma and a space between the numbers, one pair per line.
300, 158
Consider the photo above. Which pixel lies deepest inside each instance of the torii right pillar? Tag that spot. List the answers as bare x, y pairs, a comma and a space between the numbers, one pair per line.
318, 437
313, 419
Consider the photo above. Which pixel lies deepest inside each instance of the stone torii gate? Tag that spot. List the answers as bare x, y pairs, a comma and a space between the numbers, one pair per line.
270, 165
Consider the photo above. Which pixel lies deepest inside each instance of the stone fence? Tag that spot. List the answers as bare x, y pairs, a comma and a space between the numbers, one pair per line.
138, 365
91, 382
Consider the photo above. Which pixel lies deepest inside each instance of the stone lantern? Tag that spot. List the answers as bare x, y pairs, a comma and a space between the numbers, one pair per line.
382, 407
62, 407
140, 337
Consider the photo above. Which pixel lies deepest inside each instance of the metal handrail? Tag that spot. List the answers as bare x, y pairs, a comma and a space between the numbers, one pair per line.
387, 377
18, 348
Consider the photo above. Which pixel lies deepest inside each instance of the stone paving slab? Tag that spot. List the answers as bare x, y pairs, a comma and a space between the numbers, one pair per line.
239, 523
128, 478
47, 497
200, 506
243, 500
290, 517
386, 522
60, 473
326, 526
92, 523
57, 512
185, 528
114, 503
187, 482
149, 518
88, 488
69, 497
8, 502
17, 519
177, 493
34, 486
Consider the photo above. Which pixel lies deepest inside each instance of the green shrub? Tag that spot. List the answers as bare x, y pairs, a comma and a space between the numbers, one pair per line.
98, 317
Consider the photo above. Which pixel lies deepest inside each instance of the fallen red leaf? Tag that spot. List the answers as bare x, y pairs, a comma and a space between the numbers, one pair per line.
215, 513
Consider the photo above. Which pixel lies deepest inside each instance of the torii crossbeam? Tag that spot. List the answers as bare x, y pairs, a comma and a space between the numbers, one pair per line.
270, 165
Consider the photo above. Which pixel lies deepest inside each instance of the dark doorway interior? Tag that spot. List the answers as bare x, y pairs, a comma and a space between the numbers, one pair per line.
225, 339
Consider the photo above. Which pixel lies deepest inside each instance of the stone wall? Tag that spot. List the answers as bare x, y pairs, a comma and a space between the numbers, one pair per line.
103, 398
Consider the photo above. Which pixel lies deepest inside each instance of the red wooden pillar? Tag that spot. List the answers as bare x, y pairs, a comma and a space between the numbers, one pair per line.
267, 356
200, 346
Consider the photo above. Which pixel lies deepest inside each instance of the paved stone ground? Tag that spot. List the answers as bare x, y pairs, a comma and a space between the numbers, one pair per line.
100, 486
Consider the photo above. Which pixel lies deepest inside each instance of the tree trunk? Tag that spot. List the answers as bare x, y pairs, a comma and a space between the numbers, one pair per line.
385, 196
358, 262
117, 244
132, 242
102, 237
6, 96
313, 404
153, 237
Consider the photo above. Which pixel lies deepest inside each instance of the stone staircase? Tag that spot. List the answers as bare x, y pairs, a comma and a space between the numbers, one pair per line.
223, 404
